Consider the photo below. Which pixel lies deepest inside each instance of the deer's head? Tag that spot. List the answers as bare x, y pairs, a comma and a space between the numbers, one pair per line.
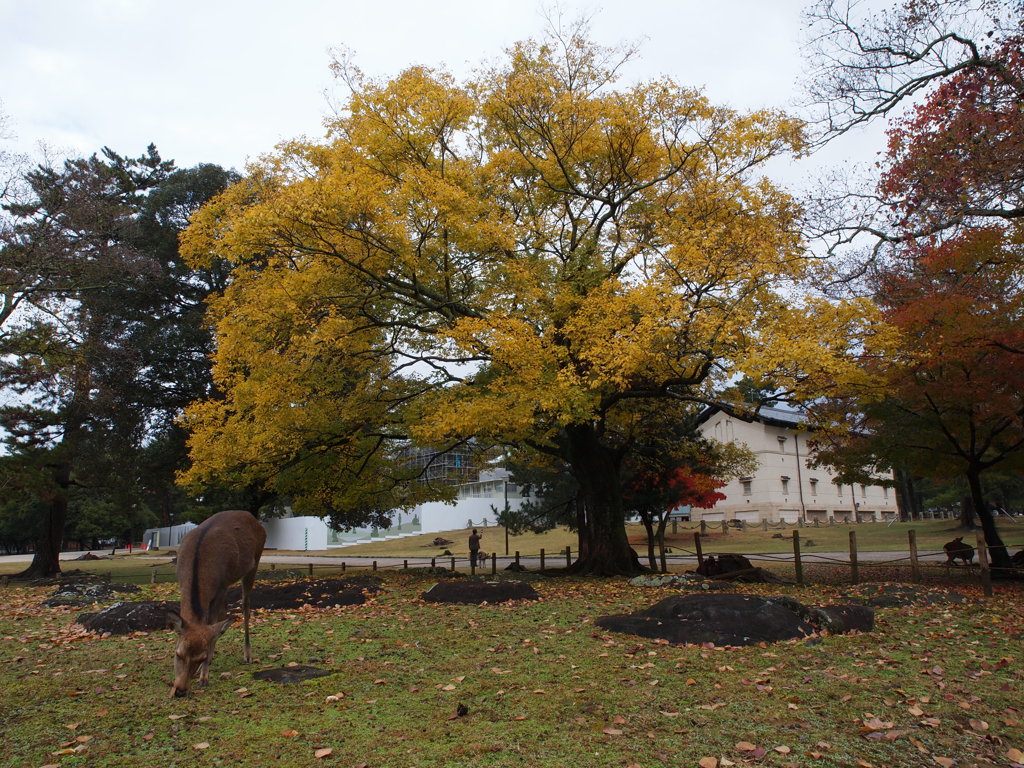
194, 651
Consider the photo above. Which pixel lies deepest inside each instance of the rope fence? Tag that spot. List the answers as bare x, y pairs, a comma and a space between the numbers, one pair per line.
911, 563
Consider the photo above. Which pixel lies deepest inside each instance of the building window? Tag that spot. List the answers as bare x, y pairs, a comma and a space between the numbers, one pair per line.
782, 444
885, 492
839, 490
746, 487
814, 486
785, 484
863, 491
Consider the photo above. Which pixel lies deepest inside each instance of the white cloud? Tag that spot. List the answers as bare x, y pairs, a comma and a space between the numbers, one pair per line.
225, 80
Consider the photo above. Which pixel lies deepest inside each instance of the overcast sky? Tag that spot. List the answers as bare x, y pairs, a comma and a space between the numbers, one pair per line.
223, 81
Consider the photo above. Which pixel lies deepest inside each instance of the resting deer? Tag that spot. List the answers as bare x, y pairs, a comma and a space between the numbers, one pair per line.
222, 550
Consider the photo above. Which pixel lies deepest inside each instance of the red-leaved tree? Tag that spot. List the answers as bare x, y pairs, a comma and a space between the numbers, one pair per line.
654, 495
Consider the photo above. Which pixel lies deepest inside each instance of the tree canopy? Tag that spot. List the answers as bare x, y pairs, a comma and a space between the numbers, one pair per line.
102, 338
521, 258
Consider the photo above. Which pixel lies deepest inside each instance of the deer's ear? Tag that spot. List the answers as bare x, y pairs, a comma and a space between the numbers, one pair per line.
221, 627
175, 622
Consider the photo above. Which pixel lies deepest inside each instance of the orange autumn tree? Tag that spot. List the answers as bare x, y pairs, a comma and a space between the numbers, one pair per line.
515, 260
952, 401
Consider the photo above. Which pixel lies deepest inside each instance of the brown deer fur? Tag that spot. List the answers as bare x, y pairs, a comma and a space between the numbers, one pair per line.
222, 550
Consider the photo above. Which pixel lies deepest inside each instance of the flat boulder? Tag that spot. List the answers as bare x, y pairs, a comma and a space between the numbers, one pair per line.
840, 619
125, 618
730, 619
83, 593
316, 593
477, 592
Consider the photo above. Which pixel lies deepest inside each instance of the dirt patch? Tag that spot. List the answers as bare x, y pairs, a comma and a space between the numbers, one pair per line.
295, 674
477, 592
893, 595
74, 576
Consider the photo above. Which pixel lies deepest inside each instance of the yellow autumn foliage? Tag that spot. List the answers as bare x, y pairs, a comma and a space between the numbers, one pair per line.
511, 258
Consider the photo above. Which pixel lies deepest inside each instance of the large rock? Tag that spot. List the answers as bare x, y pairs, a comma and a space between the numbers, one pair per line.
731, 619
124, 618
317, 593
84, 593
476, 592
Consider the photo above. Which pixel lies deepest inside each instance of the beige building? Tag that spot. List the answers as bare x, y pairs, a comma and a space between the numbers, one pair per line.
784, 488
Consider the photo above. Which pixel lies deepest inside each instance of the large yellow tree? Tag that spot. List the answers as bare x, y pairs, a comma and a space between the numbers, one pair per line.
519, 258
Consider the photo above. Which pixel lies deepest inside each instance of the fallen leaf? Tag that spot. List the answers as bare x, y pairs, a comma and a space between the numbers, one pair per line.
320, 754
978, 725
288, 733
1015, 755
782, 749
201, 745
612, 731
708, 762
745, 746
945, 762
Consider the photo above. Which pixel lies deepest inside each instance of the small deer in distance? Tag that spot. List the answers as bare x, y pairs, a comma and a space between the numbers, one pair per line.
222, 550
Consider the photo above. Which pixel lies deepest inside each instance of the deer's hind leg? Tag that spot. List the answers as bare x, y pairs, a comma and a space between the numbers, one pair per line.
247, 582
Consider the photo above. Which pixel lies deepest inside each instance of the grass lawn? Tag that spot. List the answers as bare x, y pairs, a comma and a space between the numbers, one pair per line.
932, 685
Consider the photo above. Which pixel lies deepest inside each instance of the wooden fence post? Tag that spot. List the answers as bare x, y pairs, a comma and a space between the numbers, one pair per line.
568, 556
375, 565
152, 577
725, 527
915, 566
542, 558
697, 548
494, 563
310, 569
405, 565
797, 563
433, 562
703, 528
453, 562
986, 572
854, 565
518, 564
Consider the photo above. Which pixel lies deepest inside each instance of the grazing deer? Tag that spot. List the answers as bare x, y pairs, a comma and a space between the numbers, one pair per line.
222, 550
958, 549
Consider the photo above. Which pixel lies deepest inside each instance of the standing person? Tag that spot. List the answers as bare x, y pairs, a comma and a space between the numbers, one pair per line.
474, 548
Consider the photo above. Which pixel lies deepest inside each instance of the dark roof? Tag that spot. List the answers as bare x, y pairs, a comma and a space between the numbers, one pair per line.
775, 417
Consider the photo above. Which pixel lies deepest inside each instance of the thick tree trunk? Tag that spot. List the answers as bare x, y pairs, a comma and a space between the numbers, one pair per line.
46, 559
998, 555
596, 469
907, 499
967, 513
